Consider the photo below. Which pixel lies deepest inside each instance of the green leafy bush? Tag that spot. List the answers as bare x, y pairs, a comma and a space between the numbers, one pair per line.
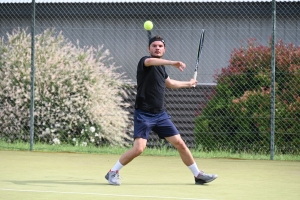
78, 94
237, 116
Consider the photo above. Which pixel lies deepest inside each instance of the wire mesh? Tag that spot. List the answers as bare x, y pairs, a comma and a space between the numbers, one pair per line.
228, 110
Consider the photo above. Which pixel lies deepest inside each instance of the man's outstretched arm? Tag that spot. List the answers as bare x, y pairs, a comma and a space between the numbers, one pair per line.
171, 83
158, 62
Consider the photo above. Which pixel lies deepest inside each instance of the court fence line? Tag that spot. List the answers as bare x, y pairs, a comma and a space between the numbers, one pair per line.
247, 97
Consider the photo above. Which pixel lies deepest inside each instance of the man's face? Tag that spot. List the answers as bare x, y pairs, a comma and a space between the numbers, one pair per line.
157, 49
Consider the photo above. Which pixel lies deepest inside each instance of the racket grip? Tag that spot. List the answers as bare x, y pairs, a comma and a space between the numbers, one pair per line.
149, 34
195, 77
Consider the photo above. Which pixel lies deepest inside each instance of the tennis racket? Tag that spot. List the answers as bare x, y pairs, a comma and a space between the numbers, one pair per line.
149, 35
199, 54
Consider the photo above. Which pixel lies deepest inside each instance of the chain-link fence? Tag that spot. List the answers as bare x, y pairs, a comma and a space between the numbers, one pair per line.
230, 109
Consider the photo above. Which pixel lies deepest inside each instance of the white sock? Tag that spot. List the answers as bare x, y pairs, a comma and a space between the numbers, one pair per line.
118, 166
194, 169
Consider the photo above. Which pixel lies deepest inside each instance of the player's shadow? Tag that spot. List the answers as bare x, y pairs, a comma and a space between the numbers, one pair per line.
50, 183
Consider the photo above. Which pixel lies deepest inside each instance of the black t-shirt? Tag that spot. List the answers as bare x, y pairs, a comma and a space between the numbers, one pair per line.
150, 87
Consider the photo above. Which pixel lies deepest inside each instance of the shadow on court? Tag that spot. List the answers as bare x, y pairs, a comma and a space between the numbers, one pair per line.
53, 182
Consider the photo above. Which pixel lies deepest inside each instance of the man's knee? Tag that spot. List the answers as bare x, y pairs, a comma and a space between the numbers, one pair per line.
178, 143
139, 146
181, 145
139, 150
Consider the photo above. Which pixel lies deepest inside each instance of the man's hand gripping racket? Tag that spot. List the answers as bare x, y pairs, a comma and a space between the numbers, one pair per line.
199, 54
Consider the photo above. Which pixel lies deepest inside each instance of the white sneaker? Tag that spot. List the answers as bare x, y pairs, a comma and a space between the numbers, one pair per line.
113, 177
205, 178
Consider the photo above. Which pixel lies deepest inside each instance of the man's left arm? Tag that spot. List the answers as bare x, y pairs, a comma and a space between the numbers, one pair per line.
174, 84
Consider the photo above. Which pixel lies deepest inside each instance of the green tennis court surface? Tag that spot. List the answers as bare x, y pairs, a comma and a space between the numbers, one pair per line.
35, 175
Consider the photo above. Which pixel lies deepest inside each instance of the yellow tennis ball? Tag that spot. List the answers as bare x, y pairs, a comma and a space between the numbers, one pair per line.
148, 25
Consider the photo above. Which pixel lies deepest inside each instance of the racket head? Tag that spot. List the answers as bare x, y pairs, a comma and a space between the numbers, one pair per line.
201, 41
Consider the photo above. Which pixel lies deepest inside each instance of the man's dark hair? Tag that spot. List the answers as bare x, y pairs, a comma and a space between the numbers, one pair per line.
156, 38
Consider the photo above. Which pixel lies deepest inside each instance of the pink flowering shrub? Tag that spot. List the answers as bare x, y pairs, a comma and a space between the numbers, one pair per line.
237, 117
78, 94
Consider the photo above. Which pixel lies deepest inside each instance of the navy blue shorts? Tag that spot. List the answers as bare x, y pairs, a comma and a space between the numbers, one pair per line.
160, 123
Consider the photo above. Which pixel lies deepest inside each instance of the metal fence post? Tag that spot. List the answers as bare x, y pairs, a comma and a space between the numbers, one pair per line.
32, 77
272, 122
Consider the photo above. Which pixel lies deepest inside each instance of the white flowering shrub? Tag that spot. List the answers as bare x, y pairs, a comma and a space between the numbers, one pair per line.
78, 94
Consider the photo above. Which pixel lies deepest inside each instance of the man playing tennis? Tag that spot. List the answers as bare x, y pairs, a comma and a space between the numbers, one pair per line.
149, 114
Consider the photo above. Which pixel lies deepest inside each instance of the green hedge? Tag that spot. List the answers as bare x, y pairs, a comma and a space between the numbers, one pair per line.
237, 116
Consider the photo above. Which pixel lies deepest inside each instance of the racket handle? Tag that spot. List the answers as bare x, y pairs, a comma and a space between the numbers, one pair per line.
195, 77
149, 34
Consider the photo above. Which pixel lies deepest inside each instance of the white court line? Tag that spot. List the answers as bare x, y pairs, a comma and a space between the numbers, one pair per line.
98, 194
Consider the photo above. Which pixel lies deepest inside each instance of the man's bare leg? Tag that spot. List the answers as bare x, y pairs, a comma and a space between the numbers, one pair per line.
139, 146
188, 160
185, 153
